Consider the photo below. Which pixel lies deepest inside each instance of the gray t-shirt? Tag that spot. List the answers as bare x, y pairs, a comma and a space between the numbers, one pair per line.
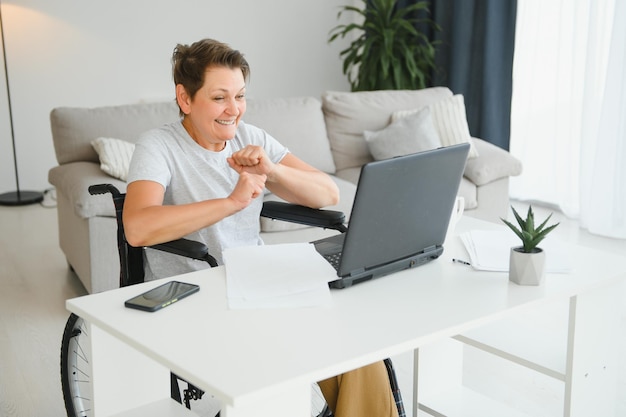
189, 173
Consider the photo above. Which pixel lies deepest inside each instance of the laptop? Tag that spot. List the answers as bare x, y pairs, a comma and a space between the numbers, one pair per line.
399, 216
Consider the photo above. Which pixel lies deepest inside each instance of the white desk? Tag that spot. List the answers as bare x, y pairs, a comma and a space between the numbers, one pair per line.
262, 362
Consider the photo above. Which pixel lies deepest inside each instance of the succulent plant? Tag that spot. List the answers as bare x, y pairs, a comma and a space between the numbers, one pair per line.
527, 232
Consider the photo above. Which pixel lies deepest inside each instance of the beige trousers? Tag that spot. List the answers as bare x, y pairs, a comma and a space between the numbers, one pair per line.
364, 392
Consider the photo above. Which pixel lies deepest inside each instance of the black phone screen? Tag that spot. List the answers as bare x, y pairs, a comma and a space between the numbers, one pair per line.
162, 296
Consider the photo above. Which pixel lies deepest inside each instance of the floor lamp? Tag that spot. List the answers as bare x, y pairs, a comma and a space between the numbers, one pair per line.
18, 197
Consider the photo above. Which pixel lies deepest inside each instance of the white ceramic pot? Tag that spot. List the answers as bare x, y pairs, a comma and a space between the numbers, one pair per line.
527, 268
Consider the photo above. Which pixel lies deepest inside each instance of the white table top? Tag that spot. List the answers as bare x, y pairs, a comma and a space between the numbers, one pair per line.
240, 354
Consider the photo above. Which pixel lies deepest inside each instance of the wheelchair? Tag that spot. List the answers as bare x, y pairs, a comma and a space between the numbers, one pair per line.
75, 366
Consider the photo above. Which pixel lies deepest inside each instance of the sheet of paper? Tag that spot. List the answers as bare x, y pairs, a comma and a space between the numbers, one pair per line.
277, 276
490, 250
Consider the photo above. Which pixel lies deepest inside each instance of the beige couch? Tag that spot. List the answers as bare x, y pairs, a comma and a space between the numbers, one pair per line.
326, 134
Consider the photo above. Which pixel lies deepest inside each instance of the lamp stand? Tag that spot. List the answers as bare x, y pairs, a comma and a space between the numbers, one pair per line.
14, 198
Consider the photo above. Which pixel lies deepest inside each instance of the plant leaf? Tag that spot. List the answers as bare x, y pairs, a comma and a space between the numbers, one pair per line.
542, 225
515, 229
520, 221
530, 219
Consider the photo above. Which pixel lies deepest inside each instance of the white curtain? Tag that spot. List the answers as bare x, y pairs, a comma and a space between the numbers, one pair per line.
568, 119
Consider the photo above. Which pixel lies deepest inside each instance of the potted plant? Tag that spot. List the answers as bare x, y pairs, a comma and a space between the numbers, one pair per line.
527, 262
390, 53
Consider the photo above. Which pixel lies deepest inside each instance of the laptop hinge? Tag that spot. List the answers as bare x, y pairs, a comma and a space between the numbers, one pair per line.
430, 249
357, 271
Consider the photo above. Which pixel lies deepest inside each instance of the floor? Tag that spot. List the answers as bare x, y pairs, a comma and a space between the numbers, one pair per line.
35, 282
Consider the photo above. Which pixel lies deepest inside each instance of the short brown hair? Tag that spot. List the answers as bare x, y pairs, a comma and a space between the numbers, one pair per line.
189, 62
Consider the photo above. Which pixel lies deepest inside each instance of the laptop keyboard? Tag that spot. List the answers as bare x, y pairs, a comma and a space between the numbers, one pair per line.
333, 259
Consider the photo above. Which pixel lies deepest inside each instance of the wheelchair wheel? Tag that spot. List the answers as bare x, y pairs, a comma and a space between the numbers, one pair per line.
76, 369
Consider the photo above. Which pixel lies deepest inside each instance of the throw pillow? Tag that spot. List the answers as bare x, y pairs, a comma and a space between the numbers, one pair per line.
450, 120
348, 114
115, 155
411, 134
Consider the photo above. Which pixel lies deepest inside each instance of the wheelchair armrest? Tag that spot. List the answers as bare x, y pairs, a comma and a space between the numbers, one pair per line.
327, 219
187, 248
103, 189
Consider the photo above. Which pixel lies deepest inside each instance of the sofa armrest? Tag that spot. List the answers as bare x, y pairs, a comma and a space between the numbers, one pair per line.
72, 180
491, 164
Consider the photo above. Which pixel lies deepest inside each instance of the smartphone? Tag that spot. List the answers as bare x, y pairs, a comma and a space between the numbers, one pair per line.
162, 296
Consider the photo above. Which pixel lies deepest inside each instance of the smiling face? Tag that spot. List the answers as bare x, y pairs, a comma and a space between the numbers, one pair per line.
212, 115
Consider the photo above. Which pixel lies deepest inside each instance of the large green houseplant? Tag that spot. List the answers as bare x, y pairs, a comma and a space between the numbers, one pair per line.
527, 262
390, 53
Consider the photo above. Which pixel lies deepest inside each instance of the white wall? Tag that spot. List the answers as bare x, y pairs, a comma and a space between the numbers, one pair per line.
94, 53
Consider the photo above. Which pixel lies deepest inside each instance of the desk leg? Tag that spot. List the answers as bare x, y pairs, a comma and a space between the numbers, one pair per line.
590, 387
295, 401
123, 378
437, 371
416, 361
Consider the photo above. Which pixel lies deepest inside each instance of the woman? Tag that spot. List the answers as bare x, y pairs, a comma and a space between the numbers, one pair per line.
202, 178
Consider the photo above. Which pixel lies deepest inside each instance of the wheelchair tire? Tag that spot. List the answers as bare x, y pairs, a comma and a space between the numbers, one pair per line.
76, 368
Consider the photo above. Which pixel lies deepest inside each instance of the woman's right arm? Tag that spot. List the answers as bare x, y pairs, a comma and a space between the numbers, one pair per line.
148, 222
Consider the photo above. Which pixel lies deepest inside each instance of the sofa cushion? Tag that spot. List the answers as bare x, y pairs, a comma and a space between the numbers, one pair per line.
450, 120
347, 192
350, 174
413, 133
115, 156
73, 129
492, 164
297, 123
469, 192
349, 114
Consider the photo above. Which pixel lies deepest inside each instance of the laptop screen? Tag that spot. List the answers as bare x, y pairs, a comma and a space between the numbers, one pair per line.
402, 207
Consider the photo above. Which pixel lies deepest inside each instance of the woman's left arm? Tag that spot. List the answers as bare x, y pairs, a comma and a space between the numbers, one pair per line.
298, 182
291, 179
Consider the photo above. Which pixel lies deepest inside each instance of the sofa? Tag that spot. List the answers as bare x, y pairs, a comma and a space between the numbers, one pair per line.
337, 134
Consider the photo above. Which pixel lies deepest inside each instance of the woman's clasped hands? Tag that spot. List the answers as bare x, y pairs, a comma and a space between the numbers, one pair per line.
253, 167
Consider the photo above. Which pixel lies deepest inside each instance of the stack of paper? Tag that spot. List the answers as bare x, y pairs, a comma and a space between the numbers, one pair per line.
489, 250
277, 276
